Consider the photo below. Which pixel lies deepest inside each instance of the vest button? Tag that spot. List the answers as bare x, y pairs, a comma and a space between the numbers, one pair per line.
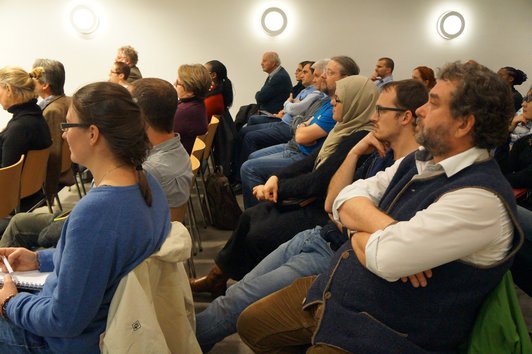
345, 255
327, 295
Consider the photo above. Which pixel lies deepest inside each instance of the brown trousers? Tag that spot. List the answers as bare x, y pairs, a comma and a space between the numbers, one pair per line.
278, 323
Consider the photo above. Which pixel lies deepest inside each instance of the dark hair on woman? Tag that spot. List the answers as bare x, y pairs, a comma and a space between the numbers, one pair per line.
110, 107
427, 74
482, 93
226, 87
518, 75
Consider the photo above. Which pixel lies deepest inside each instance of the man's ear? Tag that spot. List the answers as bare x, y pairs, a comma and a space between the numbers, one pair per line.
407, 118
465, 126
45, 86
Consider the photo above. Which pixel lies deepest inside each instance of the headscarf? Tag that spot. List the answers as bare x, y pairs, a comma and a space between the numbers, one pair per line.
358, 94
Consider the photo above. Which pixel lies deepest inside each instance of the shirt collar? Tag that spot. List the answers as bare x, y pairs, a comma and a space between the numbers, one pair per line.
275, 71
453, 164
166, 145
45, 102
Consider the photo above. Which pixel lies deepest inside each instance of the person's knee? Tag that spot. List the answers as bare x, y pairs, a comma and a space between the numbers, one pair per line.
247, 170
248, 325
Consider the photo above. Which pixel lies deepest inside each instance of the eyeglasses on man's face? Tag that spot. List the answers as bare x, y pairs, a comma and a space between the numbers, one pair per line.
527, 98
379, 109
65, 126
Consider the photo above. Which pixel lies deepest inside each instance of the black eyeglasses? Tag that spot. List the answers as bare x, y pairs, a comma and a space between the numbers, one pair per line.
527, 98
66, 126
380, 109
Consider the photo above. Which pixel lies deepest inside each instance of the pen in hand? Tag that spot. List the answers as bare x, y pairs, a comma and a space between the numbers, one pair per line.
8, 266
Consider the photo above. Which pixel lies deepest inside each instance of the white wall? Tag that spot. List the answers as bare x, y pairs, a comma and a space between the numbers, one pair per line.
168, 33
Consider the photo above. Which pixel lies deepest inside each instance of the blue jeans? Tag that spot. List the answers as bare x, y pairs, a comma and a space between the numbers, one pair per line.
261, 165
16, 340
306, 254
260, 119
255, 137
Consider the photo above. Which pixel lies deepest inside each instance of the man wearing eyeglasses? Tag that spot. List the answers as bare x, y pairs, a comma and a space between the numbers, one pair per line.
127, 54
119, 74
444, 212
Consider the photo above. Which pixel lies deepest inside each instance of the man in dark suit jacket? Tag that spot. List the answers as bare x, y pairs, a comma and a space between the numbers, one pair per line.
54, 109
277, 87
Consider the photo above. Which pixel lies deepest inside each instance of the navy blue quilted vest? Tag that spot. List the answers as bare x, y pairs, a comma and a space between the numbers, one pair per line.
364, 313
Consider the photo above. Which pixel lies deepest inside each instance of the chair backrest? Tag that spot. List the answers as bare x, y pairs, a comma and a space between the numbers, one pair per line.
178, 213
199, 148
34, 172
10, 187
194, 161
209, 137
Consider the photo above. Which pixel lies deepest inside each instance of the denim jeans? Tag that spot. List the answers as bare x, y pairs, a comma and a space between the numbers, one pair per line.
306, 254
261, 165
260, 119
16, 340
255, 137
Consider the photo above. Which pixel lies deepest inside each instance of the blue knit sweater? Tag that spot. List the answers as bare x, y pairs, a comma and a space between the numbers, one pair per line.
109, 232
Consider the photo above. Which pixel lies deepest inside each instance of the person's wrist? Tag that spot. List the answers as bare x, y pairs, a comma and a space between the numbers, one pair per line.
37, 262
3, 306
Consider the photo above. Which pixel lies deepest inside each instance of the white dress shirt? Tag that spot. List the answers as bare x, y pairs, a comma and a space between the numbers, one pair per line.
470, 224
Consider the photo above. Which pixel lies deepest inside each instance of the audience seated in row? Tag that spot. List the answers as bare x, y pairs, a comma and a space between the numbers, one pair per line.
308, 136
106, 133
295, 195
167, 162
309, 252
406, 221
256, 136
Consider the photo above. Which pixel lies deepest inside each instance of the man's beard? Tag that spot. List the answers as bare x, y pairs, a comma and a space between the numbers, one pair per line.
434, 140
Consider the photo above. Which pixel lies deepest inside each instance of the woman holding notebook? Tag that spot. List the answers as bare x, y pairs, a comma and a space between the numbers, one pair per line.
121, 221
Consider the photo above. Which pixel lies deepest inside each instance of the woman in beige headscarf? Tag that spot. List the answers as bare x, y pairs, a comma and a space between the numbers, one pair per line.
353, 104
298, 191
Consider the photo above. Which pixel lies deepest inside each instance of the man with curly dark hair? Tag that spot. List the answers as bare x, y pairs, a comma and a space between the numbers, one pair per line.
444, 212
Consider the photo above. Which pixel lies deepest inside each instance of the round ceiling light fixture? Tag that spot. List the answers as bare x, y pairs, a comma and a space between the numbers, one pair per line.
450, 24
84, 19
274, 21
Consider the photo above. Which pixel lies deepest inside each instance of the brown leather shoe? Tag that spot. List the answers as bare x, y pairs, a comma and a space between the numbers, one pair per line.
215, 282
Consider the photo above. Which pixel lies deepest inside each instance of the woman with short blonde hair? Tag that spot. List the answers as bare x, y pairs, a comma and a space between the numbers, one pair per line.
27, 129
190, 120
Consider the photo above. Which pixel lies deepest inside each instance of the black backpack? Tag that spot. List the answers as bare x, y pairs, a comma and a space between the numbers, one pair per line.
222, 201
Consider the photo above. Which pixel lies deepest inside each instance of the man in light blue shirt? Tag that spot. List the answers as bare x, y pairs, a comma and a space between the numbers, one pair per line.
383, 72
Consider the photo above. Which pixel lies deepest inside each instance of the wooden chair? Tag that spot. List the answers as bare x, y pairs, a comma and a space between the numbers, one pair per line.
204, 166
198, 150
208, 139
10, 187
34, 175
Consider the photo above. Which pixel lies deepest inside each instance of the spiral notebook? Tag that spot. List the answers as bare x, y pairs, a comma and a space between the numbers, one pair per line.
30, 280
